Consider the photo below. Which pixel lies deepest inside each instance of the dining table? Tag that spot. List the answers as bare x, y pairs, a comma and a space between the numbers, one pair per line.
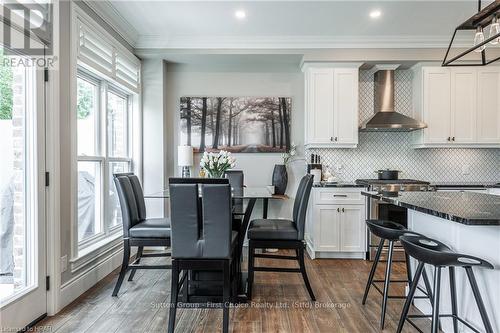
250, 195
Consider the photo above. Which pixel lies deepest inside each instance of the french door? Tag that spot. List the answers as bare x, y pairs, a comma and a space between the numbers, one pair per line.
23, 296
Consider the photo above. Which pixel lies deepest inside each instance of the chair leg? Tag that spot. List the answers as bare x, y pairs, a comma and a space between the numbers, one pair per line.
123, 270
372, 271
251, 259
137, 260
479, 300
435, 300
453, 293
386, 284
408, 268
409, 298
304, 273
174, 294
226, 294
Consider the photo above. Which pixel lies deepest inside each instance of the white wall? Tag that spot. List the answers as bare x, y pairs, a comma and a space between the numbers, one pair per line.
243, 80
154, 168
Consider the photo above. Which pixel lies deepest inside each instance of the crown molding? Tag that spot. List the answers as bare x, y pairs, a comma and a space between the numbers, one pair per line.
108, 13
291, 42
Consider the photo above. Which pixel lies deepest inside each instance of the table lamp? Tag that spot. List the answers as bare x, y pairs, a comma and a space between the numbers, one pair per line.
185, 160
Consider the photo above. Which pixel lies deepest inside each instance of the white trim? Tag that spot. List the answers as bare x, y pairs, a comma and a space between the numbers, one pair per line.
292, 42
76, 286
108, 13
86, 255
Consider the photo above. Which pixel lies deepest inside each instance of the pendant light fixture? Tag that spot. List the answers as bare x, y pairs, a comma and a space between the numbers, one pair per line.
494, 30
486, 19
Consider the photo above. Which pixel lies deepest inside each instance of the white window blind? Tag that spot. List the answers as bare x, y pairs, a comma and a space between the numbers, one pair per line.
106, 56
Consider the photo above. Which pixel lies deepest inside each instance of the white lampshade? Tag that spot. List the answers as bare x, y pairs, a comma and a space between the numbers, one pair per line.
184, 156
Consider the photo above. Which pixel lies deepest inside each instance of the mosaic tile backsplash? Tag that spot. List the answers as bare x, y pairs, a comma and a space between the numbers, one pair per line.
393, 150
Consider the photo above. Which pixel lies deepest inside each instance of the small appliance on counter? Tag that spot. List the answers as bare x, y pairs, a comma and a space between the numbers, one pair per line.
315, 168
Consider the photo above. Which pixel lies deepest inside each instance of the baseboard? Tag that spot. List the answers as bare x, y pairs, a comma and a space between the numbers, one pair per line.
79, 284
337, 255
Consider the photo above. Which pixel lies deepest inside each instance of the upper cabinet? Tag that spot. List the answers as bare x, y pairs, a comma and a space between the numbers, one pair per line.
331, 105
460, 105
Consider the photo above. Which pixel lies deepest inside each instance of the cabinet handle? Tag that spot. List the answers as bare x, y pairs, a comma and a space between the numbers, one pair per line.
449, 138
338, 210
340, 195
343, 210
335, 138
453, 139
331, 138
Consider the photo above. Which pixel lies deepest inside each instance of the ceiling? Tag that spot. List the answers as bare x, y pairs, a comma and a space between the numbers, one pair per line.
284, 24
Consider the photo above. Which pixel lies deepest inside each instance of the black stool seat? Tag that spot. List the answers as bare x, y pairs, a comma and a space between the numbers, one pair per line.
436, 253
390, 231
387, 229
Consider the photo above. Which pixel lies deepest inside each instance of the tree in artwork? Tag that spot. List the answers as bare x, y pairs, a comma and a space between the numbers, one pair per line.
236, 124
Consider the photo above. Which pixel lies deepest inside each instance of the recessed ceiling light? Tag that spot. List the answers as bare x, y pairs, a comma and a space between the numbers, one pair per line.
375, 13
240, 14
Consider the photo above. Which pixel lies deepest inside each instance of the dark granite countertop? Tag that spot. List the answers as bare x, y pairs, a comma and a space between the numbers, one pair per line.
485, 185
464, 207
337, 184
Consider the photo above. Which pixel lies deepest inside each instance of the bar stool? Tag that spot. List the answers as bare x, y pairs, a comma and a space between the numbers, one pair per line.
390, 231
432, 252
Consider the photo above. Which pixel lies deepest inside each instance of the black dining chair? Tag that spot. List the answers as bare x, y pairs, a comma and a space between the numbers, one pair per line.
281, 234
236, 180
138, 230
202, 241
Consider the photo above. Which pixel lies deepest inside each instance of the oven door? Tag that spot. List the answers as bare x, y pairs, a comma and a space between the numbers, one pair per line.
382, 210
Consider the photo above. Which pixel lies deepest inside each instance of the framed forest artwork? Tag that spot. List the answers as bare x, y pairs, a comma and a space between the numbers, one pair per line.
236, 124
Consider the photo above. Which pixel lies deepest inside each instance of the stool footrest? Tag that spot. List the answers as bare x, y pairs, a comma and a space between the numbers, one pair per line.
391, 281
416, 316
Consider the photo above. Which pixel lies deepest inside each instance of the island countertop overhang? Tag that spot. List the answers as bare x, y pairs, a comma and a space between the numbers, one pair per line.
462, 207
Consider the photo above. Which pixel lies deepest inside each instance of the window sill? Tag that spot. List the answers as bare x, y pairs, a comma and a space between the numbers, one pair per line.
104, 247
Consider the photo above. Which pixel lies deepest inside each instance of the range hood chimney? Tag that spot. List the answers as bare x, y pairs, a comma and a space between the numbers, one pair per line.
385, 118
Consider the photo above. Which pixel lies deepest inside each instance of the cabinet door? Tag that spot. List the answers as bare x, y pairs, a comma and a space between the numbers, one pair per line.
352, 229
327, 235
488, 105
346, 105
463, 105
319, 106
437, 108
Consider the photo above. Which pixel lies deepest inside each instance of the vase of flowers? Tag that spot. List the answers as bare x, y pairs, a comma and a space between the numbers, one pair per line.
216, 164
280, 175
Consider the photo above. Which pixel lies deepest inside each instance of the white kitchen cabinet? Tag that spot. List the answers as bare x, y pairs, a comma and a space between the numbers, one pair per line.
331, 105
488, 107
436, 105
335, 226
461, 107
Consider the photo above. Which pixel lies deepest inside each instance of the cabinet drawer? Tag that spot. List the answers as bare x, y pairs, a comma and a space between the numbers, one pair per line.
338, 197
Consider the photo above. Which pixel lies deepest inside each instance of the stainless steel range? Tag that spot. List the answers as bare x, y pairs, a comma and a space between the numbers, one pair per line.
395, 185
377, 209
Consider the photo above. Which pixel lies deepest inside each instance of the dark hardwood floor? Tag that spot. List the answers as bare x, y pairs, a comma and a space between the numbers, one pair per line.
280, 304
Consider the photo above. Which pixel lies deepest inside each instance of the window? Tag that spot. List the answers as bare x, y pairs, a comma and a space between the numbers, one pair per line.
103, 146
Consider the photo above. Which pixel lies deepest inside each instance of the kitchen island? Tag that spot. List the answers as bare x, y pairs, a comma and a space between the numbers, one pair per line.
469, 223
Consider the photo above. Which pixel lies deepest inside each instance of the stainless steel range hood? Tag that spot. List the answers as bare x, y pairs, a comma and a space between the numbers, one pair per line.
385, 118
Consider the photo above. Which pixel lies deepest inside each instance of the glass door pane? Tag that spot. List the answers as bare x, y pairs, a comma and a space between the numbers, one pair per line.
22, 193
16, 185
